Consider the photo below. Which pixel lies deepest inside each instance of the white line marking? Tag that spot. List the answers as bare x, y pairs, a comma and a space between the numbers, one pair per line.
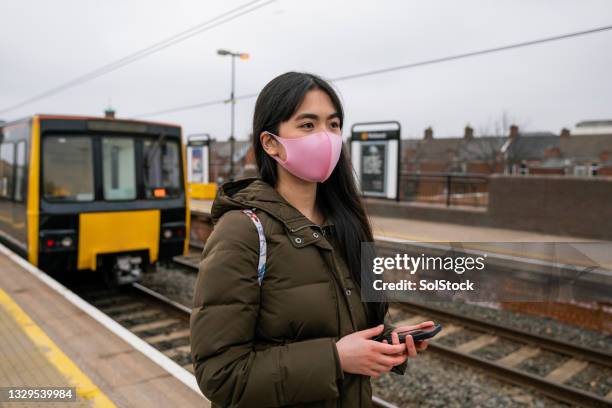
149, 351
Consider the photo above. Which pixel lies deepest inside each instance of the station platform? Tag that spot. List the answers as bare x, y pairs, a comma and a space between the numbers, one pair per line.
484, 238
429, 231
50, 337
201, 206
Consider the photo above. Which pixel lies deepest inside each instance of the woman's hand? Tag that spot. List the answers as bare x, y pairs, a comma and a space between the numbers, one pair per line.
411, 346
359, 354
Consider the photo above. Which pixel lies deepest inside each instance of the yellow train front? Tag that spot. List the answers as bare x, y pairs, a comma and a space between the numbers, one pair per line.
86, 193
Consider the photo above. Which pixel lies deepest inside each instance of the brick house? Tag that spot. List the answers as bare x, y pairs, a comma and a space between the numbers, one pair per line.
220, 159
470, 154
517, 153
578, 155
582, 154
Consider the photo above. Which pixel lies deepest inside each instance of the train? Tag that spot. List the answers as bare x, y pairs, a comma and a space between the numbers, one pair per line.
80, 193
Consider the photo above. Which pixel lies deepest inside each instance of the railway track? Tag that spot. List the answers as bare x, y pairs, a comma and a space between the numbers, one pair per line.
473, 342
158, 320
510, 367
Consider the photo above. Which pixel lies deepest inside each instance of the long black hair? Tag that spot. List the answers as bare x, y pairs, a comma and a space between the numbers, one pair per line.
337, 197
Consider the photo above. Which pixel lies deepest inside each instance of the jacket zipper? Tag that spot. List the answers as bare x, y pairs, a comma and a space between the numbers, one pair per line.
335, 278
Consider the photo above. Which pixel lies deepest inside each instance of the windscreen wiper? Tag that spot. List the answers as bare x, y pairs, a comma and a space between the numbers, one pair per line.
149, 154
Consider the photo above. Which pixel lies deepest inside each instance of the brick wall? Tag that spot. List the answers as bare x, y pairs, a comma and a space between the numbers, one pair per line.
605, 171
542, 170
565, 205
561, 205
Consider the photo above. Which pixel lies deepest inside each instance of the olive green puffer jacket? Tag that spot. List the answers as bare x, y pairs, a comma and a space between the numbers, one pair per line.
274, 345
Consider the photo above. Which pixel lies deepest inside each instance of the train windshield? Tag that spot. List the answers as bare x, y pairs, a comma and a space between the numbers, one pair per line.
119, 168
68, 169
162, 168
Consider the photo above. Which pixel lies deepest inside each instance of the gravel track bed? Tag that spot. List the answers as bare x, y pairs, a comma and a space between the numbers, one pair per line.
543, 326
462, 386
433, 382
165, 345
178, 284
182, 359
118, 314
167, 329
593, 379
140, 320
497, 350
455, 339
175, 282
543, 363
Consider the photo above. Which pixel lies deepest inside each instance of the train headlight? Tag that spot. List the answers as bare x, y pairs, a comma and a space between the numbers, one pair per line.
67, 242
58, 240
172, 232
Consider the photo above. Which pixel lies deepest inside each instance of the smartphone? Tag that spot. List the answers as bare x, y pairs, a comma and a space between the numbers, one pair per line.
417, 334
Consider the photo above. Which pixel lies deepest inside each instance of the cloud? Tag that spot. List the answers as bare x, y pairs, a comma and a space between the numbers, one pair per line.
546, 86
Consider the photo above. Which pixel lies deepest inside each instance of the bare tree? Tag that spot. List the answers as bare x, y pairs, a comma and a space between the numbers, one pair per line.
481, 149
487, 146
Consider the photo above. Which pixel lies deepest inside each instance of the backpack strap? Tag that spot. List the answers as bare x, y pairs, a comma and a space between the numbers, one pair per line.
261, 266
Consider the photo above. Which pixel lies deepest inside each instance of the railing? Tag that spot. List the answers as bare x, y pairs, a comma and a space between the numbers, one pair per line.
449, 189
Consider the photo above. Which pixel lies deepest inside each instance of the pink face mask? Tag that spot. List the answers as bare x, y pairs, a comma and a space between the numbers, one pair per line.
312, 157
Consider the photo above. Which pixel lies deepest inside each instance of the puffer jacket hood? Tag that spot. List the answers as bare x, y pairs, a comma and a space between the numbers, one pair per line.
253, 192
244, 193
274, 345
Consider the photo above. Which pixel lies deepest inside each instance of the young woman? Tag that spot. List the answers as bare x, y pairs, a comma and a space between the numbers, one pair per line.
295, 331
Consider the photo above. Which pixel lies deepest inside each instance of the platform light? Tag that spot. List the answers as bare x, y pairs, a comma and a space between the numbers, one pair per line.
243, 56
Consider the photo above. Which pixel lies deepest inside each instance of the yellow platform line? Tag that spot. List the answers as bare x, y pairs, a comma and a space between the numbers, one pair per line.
85, 388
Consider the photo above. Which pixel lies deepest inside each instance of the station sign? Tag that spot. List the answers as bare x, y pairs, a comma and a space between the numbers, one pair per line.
198, 158
375, 155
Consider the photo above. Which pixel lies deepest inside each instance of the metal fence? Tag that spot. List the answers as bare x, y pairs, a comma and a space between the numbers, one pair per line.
449, 189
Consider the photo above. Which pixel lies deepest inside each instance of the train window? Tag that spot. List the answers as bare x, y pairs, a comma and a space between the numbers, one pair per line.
162, 169
119, 168
20, 160
7, 159
68, 168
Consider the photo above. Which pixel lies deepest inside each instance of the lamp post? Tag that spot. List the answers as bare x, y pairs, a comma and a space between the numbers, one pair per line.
242, 56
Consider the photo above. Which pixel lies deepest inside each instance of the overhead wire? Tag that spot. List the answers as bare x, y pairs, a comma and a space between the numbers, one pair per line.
401, 67
472, 53
207, 25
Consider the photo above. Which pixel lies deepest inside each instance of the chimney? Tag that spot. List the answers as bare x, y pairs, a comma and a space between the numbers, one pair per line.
565, 133
514, 132
469, 133
428, 134
109, 113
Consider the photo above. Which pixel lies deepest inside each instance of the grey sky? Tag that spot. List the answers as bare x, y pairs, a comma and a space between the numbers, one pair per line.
544, 87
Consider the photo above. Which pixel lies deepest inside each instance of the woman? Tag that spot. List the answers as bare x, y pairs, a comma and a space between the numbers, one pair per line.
298, 334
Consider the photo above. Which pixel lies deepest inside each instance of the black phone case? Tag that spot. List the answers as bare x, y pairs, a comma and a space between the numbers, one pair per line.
415, 337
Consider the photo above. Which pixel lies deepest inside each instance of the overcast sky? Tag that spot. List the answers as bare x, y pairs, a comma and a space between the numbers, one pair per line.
545, 87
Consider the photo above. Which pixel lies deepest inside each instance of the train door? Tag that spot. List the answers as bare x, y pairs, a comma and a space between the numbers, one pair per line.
13, 150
